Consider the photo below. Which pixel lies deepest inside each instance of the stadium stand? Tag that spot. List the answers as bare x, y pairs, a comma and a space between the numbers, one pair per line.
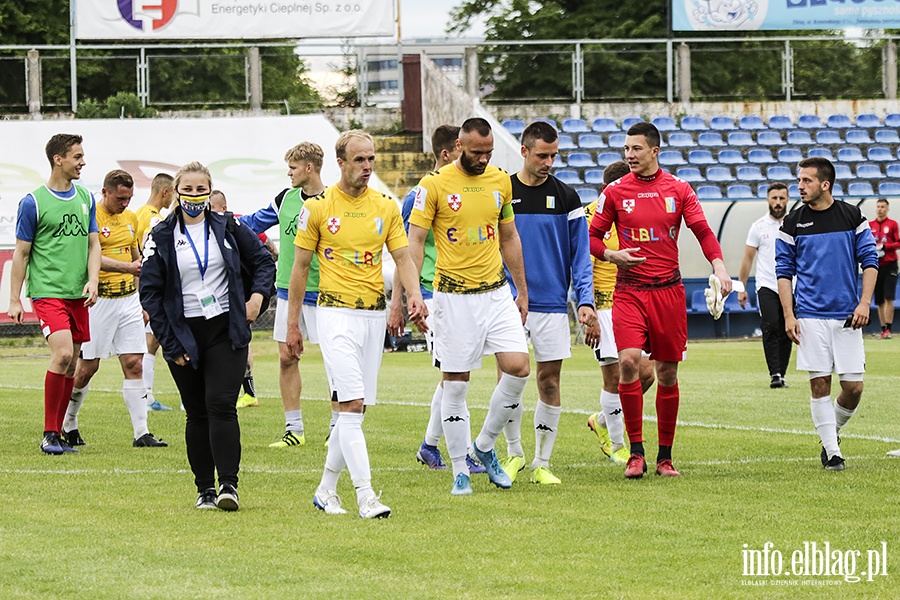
693, 124
720, 174
590, 141
566, 143
593, 176
514, 126
740, 138
711, 139
701, 157
604, 159
587, 195
616, 140
880, 154
789, 155
709, 192
627, 122
858, 136
761, 190
887, 136
809, 122
889, 188
828, 136
580, 160
559, 162
779, 173
739, 190
722, 123
893, 170
769, 138
665, 124
860, 188
868, 121
799, 138
869, 171
843, 172
730, 156
751, 122
575, 126
850, 154
839, 122
781, 122
761, 156
892, 120
569, 176
689, 174
750, 173
671, 158
681, 139
823, 153
604, 125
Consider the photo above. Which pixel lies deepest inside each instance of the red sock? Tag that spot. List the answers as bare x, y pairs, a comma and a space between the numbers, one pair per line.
64, 405
54, 389
667, 412
633, 409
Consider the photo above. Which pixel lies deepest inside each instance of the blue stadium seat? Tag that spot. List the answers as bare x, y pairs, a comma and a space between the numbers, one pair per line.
868, 121
689, 174
591, 141
569, 176
681, 139
858, 136
892, 120
762, 190
691, 123
740, 138
760, 156
823, 153
850, 154
839, 122
880, 154
869, 171
627, 122
843, 172
769, 138
708, 192
893, 170
580, 160
809, 122
739, 190
719, 174
616, 140
698, 299
514, 126
887, 136
779, 173
790, 155
594, 176
671, 158
860, 188
711, 139
751, 173
838, 190
566, 142
559, 161
799, 138
793, 191
889, 188
730, 156
751, 122
604, 125
575, 126
828, 136
722, 123
701, 157
604, 159
587, 195
733, 305
665, 123
549, 121
781, 122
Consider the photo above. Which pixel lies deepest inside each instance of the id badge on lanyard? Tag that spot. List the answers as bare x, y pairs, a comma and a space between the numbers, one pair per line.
209, 304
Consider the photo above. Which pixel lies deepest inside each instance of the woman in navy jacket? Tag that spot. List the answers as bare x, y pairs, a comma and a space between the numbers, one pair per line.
191, 287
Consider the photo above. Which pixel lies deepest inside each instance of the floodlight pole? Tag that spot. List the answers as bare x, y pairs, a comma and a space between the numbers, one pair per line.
73, 69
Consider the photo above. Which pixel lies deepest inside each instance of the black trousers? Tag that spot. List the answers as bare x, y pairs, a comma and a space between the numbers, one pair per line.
776, 343
209, 393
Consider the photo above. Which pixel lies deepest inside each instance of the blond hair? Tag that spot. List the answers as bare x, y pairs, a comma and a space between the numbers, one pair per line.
192, 167
340, 147
306, 152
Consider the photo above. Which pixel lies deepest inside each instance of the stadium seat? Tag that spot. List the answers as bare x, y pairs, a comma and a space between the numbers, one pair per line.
566, 142
769, 138
781, 122
860, 188
809, 122
568, 176
587, 195
751, 173
604, 159
740, 138
843, 172
711, 139
590, 141
514, 126
722, 123
627, 122
850, 154
887, 136
701, 157
762, 190
693, 124
719, 174
793, 191
616, 140
751, 122
889, 188
594, 176
880, 154
790, 155
671, 158
828, 136
779, 173
665, 123
689, 174
549, 121
892, 120
681, 139
893, 170
799, 138
760, 156
868, 120
858, 136
838, 189
575, 126
709, 192
698, 300
559, 162
739, 190
823, 153
730, 156
839, 122
580, 160
604, 125
733, 305
869, 171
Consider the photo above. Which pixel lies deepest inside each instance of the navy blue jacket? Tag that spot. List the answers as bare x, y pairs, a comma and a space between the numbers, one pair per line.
160, 284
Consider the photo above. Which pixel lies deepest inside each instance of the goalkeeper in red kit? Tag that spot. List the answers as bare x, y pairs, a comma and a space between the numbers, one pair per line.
647, 207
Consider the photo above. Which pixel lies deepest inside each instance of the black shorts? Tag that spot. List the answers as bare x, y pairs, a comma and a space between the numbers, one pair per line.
886, 284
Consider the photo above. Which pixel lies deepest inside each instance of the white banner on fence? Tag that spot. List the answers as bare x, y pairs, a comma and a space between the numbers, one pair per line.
232, 19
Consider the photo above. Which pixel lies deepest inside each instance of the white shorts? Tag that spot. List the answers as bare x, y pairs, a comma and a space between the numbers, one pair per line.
549, 335
607, 353
117, 327
307, 322
826, 346
429, 320
468, 326
352, 346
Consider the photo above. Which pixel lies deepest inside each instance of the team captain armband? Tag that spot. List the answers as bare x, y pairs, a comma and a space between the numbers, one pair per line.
506, 212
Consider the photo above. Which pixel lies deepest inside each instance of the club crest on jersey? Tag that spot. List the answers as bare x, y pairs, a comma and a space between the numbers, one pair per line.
551, 202
334, 225
628, 205
104, 231
670, 204
454, 201
379, 225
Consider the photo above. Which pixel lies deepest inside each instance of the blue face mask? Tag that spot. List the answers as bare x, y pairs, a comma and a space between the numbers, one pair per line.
193, 205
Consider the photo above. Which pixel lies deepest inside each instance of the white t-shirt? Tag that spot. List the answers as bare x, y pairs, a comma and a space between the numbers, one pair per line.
215, 280
762, 236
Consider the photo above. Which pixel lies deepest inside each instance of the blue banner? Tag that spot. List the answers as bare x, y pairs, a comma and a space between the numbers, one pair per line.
749, 15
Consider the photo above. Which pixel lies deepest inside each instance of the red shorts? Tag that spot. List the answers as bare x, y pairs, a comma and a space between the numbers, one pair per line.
652, 320
58, 315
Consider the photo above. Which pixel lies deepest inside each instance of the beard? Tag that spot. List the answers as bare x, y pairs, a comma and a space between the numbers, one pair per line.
777, 212
470, 165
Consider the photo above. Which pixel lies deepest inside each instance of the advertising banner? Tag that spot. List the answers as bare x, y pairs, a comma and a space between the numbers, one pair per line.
747, 15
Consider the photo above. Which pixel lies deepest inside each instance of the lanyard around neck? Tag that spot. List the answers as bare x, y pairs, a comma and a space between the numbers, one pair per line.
202, 266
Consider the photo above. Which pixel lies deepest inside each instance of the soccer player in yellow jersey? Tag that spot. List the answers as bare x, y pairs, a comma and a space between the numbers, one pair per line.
162, 194
347, 229
468, 206
116, 321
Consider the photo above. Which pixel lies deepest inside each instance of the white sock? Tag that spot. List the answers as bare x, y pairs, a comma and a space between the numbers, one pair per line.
294, 421
546, 423
334, 462
512, 431
149, 365
70, 423
133, 394
435, 430
615, 424
455, 423
356, 455
334, 417
842, 415
504, 402
823, 419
